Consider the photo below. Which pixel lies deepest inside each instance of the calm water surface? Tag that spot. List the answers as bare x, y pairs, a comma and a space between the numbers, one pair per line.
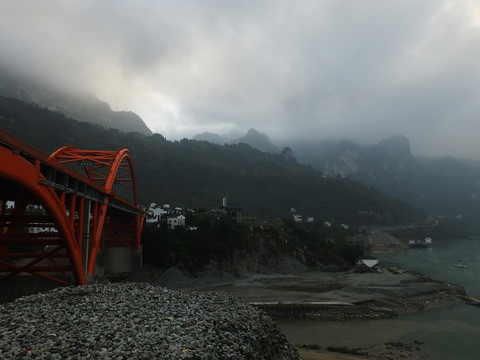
448, 333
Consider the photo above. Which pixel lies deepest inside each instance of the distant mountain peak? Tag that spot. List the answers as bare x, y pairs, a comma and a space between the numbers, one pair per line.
397, 145
258, 141
210, 137
253, 132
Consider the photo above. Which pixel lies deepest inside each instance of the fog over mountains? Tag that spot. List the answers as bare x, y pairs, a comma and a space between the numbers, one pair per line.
438, 185
80, 106
294, 70
253, 138
444, 185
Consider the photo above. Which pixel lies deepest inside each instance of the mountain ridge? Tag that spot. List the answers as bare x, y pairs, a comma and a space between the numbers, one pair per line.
252, 137
442, 186
199, 174
82, 107
429, 183
257, 140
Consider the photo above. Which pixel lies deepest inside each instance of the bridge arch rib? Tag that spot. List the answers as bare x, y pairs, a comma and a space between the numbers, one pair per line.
50, 254
113, 170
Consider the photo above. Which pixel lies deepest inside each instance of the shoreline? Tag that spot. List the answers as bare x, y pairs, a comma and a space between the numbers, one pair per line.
343, 298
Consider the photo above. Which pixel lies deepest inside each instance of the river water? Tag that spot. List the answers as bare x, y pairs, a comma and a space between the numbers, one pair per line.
448, 333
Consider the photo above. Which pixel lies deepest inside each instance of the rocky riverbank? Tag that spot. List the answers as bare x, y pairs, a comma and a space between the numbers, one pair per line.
138, 321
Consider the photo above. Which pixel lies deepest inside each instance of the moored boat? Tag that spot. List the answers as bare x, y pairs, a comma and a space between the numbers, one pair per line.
420, 243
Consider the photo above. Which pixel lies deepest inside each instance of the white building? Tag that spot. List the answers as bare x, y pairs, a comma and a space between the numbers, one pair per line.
155, 213
298, 218
173, 222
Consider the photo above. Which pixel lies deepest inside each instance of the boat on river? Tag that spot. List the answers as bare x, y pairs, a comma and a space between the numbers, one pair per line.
420, 243
460, 265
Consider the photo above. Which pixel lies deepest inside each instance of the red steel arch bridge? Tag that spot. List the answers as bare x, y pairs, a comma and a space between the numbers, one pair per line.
58, 212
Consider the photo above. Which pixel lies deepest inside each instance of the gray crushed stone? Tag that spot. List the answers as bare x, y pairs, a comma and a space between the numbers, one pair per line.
137, 321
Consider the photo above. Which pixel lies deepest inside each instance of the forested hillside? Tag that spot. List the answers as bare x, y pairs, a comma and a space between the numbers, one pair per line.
197, 174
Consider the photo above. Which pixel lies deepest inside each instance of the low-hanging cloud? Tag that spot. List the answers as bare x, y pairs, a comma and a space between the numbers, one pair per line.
292, 69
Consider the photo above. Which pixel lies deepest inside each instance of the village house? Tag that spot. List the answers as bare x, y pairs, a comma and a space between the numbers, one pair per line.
155, 213
176, 221
298, 218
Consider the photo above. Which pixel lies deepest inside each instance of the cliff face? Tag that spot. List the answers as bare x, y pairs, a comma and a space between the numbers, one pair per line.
245, 263
443, 186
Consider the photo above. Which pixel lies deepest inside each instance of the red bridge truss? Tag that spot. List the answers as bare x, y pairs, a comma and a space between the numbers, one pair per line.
58, 212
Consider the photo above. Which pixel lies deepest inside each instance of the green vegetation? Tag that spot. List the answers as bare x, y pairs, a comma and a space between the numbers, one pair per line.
214, 240
221, 239
195, 174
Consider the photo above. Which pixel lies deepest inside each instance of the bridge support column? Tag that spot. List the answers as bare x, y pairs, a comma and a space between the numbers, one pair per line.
86, 234
138, 259
119, 259
86, 239
100, 264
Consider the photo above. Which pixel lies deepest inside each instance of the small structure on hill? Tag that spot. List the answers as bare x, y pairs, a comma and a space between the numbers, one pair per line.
298, 218
368, 263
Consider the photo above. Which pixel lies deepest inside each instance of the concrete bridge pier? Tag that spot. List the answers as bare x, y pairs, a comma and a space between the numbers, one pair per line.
122, 260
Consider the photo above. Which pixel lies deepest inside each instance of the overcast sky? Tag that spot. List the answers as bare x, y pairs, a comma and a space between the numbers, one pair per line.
357, 69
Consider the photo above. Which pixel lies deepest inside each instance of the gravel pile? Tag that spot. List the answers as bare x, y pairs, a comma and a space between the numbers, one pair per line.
137, 321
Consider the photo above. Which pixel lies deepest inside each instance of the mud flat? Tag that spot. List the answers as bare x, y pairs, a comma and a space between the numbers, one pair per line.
340, 297
343, 296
